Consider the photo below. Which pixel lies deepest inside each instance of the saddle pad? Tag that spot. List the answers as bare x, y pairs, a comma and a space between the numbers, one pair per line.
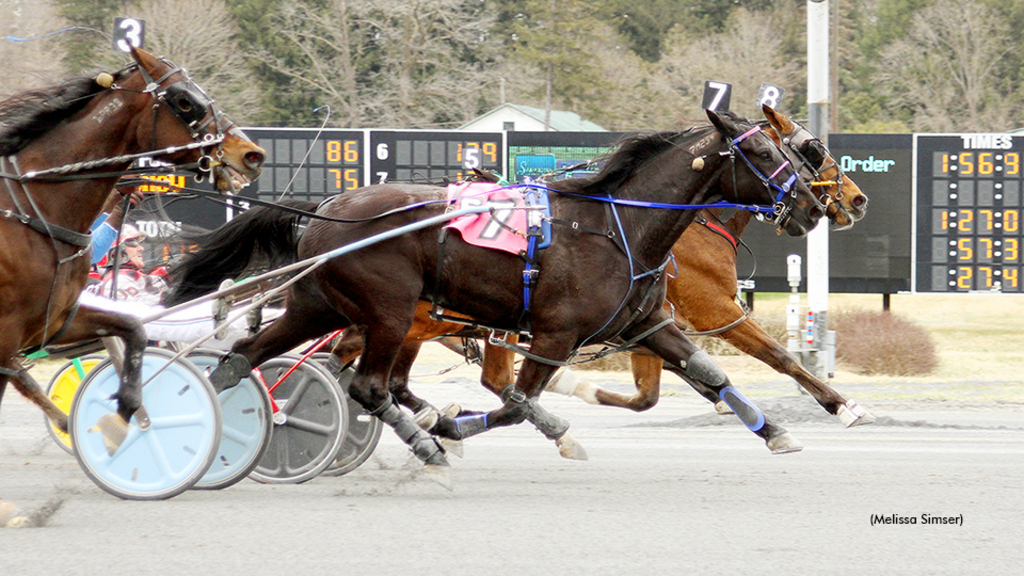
504, 228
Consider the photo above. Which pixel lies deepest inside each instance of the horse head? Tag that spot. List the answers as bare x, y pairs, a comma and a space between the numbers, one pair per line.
845, 202
797, 210
184, 116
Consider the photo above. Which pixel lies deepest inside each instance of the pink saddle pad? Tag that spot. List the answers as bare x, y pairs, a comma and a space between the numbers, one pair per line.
503, 228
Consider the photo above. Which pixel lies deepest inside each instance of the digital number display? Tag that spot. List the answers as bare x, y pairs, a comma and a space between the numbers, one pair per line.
309, 164
419, 156
968, 213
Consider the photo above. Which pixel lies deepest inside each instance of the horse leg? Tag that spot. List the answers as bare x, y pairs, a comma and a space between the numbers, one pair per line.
383, 337
29, 388
92, 323
302, 321
682, 355
498, 376
751, 339
520, 401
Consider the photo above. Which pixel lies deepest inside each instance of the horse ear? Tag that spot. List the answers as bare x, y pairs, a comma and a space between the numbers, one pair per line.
141, 57
780, 122
723, 124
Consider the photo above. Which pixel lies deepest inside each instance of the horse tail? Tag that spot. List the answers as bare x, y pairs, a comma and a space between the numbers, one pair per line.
262, 238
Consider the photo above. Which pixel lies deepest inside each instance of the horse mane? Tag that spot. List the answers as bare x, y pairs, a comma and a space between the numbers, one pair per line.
26, 116
628, 158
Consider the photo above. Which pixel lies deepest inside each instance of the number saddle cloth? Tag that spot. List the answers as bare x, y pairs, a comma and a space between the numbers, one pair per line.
518, 223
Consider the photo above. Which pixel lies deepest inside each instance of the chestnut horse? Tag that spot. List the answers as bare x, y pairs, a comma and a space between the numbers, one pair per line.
61, 151
600, 278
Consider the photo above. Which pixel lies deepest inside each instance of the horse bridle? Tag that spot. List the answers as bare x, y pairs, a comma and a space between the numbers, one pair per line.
190, 104
785, 199
803, 138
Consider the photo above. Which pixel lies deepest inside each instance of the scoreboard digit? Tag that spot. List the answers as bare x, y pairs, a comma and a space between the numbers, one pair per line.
407, 156
968, 213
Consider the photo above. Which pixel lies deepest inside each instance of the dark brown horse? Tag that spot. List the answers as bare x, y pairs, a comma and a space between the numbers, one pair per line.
61, 151
601, 278
701, 292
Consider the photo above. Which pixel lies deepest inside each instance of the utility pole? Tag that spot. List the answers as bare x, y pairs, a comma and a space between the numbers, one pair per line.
816, 360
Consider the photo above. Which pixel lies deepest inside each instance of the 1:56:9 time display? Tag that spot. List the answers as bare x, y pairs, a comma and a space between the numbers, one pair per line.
986, 163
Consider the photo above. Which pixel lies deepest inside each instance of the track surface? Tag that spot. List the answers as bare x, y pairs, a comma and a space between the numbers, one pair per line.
676, 490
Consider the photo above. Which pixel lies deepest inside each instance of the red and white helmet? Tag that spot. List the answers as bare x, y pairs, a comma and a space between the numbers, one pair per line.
129, 232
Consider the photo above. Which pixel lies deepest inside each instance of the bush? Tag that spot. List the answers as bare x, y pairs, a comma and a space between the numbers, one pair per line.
881, 343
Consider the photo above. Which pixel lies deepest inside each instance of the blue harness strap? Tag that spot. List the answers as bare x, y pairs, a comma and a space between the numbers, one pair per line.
538, 237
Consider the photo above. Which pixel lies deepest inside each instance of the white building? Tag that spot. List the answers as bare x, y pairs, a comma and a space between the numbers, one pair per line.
528, 119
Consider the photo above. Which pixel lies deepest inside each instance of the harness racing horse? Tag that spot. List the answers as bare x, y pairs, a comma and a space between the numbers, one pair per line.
701, 292
602, 276
62, 149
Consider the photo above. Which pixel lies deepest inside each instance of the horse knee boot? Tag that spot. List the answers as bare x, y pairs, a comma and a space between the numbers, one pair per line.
551, 426
422, 444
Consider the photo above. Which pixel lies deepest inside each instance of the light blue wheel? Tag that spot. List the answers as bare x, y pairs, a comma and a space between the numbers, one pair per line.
247, 427
172, 454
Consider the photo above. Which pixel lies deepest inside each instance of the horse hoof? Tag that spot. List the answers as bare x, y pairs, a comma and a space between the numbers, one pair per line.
114, 430
452, 410
722, 408
453, 447
570, 449
784, 444
11, 516
851, 414
440, 474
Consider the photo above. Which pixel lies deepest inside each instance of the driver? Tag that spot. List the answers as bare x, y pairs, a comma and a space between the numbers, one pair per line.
130, 281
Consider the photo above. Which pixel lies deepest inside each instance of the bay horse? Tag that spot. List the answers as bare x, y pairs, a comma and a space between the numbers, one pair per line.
701, 293
601, 277
62, 149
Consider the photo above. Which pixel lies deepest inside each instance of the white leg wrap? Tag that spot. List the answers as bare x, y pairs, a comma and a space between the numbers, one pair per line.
564, 382
851, 414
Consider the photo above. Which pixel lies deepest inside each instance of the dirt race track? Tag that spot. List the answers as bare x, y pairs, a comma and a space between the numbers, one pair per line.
676, 490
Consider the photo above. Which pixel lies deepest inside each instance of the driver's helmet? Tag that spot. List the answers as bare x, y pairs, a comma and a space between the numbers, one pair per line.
130, 233
130, 236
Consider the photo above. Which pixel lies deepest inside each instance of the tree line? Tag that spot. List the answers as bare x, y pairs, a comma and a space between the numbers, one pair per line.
898, 65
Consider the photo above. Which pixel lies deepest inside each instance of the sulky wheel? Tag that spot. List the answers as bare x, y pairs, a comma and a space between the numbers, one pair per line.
309, 422
247, 412
168, 457
363, 431
61, 390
